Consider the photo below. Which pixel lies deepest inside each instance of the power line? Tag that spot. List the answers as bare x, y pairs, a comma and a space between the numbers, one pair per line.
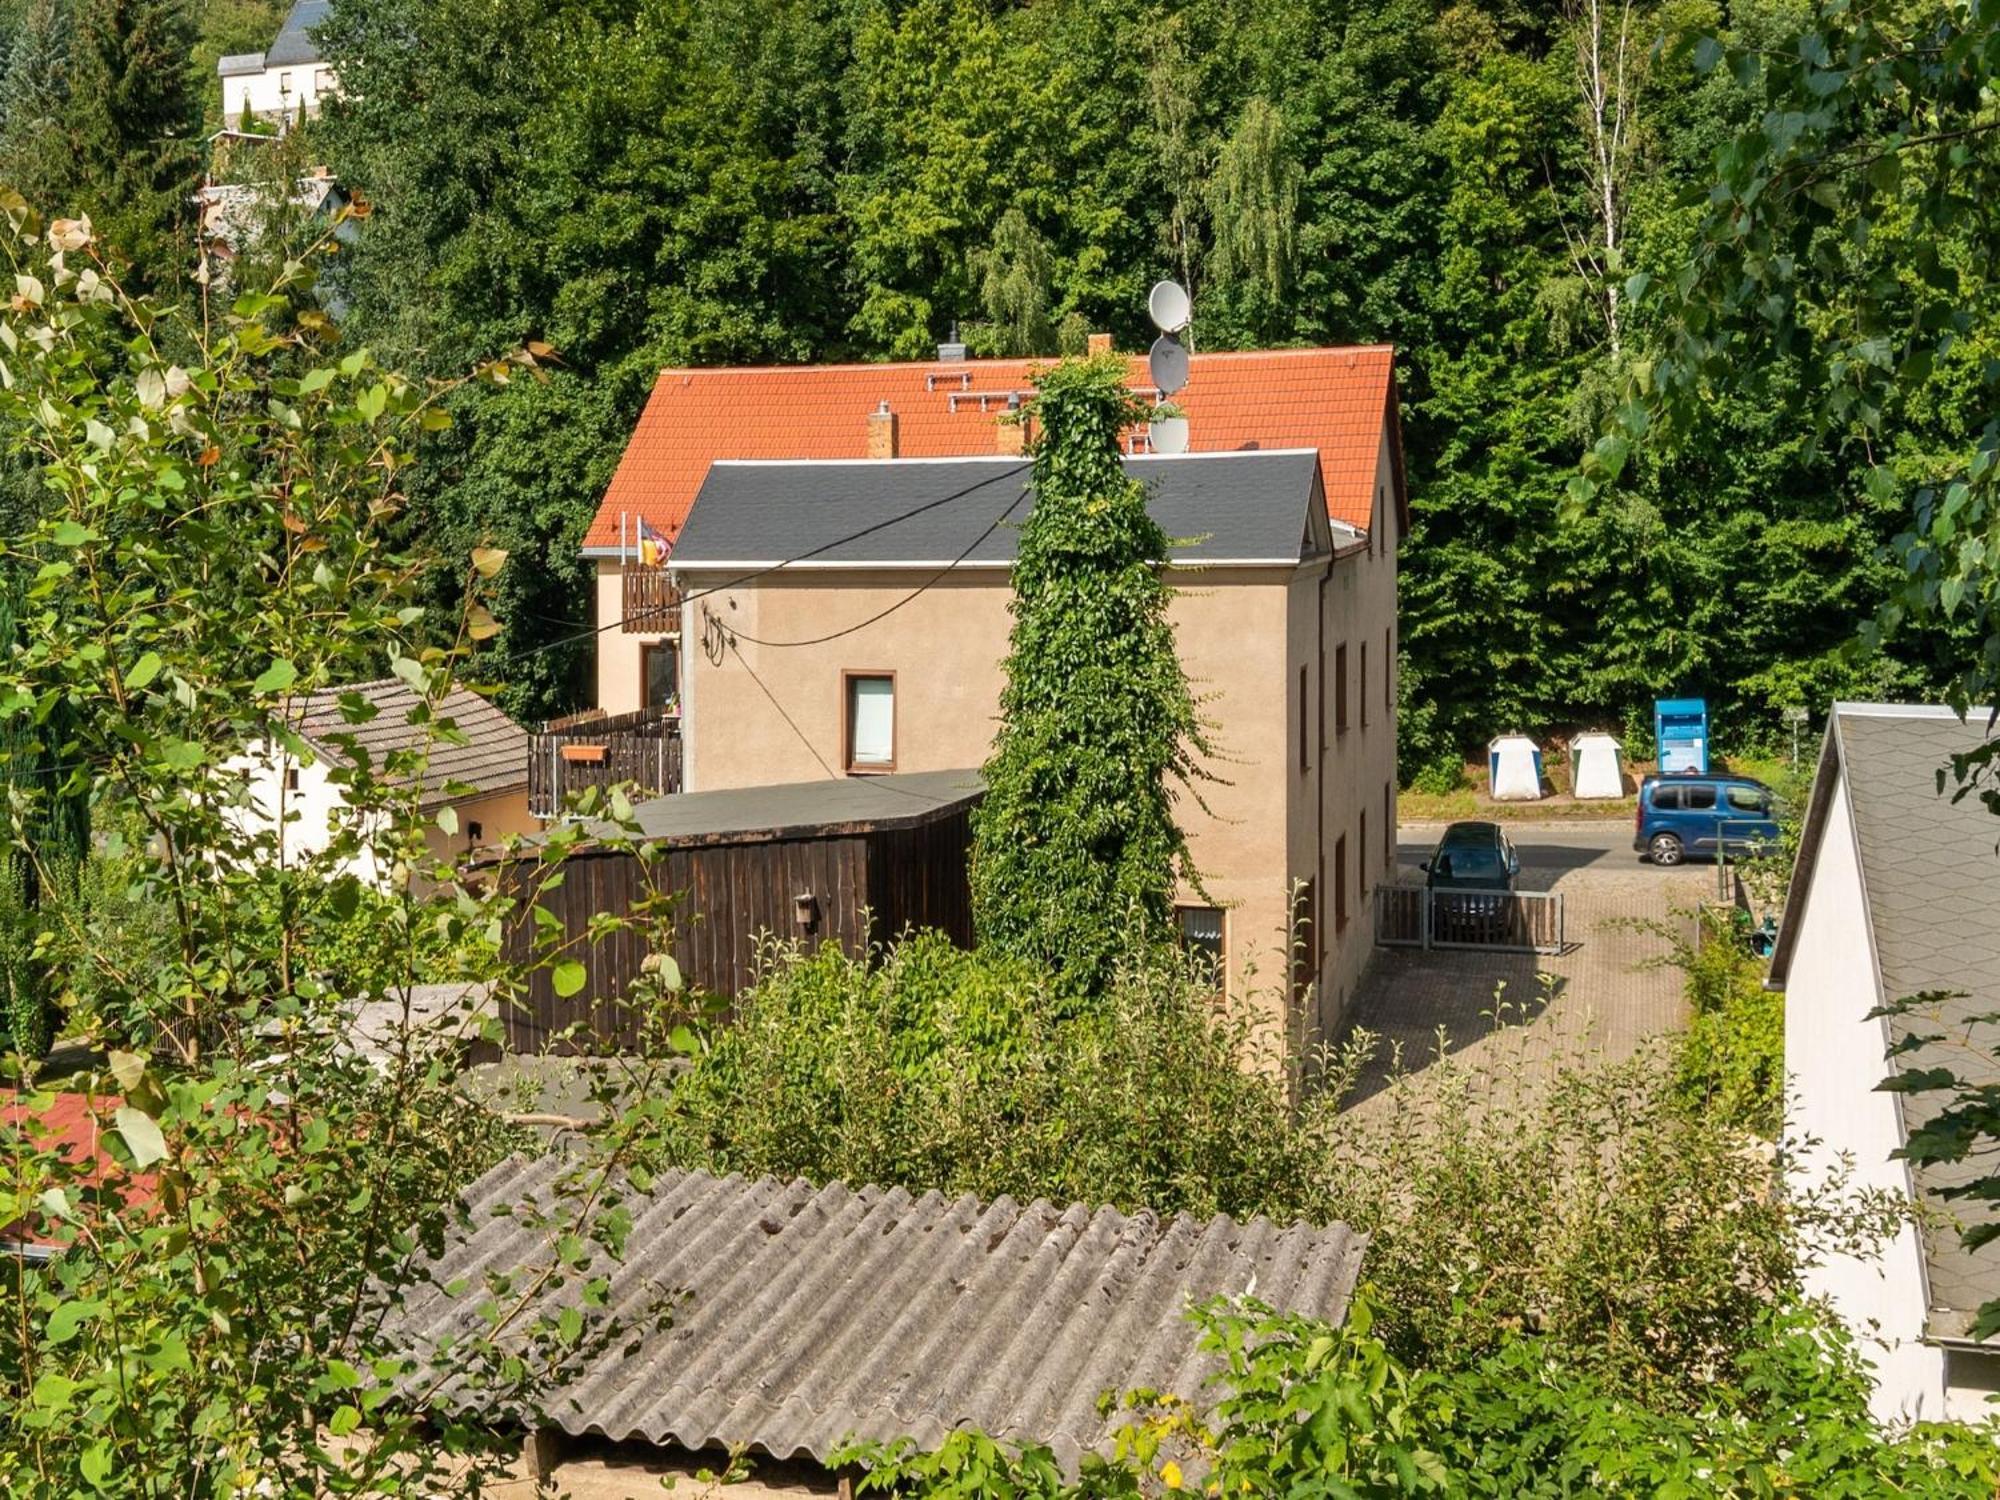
922, 588
840, 541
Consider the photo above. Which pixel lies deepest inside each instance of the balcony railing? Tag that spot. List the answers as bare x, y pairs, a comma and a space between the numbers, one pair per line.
598, 749
652, 605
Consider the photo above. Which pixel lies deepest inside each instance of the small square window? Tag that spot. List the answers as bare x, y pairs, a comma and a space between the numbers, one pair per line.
1200, 929
871, 721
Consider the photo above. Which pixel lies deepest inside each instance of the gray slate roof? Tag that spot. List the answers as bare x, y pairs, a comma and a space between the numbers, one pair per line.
810, 1315
294, 44
1222, 507
1931, 868
230, 64
494, 759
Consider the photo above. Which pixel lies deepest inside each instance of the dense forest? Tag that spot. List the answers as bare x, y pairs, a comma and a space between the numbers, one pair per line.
639, 182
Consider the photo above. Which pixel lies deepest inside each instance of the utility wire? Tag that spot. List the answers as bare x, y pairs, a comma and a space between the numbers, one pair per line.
840, 541
921, 589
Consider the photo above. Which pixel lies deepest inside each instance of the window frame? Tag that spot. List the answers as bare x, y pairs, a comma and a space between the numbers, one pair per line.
848, 677
1340, 689
1181, 910
646, 650
1361, 685
1305, 720
1340, 912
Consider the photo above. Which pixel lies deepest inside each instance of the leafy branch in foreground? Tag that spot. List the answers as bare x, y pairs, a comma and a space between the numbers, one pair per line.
229, 1195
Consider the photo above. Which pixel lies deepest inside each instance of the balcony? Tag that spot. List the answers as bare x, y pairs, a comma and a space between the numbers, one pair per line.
599, 749
652, 605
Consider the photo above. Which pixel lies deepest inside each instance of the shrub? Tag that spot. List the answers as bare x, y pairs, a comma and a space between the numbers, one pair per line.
1307, 1409
1589, 1205
1730, 1061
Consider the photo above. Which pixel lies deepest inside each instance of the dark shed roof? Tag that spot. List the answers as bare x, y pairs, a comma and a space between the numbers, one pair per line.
294, 43
1240, 507
1928, 868
846, 804
493, 759
809, 1316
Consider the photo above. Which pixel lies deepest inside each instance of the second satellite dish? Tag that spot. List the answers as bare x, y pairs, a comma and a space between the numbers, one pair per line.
1168, 306
1168, 361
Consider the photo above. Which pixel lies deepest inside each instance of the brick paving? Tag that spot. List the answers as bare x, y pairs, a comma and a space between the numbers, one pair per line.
1599, 998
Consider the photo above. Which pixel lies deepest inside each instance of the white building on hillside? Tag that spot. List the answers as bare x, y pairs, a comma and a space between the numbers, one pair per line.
287, 82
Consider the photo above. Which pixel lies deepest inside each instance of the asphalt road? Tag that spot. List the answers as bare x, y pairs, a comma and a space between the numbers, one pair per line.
1548, 850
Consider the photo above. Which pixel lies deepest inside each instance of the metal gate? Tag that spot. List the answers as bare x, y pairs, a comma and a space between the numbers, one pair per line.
1415, 916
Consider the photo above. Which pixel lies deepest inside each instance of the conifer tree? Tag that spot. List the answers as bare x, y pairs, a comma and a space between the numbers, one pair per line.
37, 150
137, 127
1076, 853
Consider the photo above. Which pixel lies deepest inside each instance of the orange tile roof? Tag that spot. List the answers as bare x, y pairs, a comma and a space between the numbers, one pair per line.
1335, 400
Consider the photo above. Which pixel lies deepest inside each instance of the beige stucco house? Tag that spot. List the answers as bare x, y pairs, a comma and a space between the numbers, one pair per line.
803, 650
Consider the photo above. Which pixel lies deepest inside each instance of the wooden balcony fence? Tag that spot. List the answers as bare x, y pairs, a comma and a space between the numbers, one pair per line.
598, 749
652, 605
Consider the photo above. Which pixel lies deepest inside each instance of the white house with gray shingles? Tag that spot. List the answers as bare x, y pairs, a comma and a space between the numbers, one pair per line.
286, 83
1896, 892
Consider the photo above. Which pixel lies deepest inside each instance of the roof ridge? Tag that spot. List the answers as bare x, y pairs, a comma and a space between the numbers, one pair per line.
1015, 361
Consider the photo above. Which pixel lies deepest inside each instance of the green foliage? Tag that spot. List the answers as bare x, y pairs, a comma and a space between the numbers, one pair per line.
1304, 1408
969, 1073
1076, 853
1731, 1059
233, 1211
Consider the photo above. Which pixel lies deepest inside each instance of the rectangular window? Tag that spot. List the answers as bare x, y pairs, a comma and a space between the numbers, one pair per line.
284, 83
1305, 746
1388, 672
1748, 799
659, 676
1388, 827
291, 778
1200, 930
1340, 689
1699, 798
871, 720
1305, 938
1667, 799
1340, 884
1362, 686
1361, 858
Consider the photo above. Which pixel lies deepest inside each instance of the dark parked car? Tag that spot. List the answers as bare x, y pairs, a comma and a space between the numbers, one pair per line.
1473, 857
1470, 874
1691, 813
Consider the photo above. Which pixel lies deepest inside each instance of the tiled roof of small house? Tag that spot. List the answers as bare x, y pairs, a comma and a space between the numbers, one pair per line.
1336, 401
493, 759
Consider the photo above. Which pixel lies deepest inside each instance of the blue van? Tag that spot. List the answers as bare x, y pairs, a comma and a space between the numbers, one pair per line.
1695, 813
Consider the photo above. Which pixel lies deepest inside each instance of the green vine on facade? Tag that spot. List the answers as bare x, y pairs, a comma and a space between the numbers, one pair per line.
1076, 852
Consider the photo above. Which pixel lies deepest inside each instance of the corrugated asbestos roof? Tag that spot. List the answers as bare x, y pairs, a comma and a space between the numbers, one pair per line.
493, 759
807, 1316
1930, 868
294, 44
1338, 401
1230, 507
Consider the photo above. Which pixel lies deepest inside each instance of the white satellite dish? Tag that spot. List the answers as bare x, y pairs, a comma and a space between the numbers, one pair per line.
1168, 306
1168, 362
1169, 433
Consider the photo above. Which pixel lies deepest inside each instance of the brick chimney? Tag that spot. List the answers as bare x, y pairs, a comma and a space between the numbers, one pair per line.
882, 432
1011, 435
1099, 343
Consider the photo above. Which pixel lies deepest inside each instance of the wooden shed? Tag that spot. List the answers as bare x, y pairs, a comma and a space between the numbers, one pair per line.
853, 861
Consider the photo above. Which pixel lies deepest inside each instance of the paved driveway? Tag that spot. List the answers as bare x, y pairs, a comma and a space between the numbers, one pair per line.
1599, 997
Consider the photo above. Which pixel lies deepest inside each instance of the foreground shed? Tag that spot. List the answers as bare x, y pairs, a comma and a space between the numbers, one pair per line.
805, 1317
853, 861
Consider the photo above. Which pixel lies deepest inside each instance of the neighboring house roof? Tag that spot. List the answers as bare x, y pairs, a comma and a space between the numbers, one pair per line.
1334, 400
805, 1317
67, 1122
1929, 868
838, 805
294, 44
1218, 507
235, 64
493, 759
